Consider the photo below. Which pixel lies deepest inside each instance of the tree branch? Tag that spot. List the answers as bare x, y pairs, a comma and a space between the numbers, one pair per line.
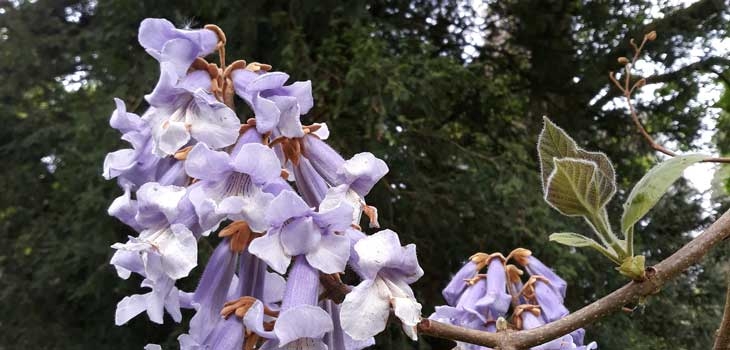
668, 269
722, 341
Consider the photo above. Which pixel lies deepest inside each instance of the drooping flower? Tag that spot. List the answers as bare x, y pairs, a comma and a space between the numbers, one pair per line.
466, 312
154, 33
296, 229
460, 281
496, 300
535, 267
387, 269
538, 291
277, 107
301, 323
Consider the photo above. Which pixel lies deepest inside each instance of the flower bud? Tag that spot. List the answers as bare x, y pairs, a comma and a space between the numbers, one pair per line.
650, 36
623, 60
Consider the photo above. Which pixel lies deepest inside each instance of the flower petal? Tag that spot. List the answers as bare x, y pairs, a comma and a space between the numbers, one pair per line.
285, 206
251, 209
361, 172
302, 321
331, 254
268, 81
129, 307
212, 122
172, 138
258, 161
365, 310
179, 252
205, 164
300, 236
268, 248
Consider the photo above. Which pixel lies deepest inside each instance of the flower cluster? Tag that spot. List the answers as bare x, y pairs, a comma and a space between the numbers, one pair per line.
478, 301
286, 206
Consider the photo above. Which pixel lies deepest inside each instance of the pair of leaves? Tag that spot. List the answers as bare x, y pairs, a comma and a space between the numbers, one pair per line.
580, 183
575, 182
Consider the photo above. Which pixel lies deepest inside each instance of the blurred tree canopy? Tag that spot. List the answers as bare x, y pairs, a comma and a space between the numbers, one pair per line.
450, 94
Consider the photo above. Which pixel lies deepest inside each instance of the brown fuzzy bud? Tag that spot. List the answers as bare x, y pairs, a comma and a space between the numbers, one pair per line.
623, 60
650, 36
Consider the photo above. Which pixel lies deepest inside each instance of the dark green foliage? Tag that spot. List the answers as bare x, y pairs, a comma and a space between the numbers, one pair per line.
389, 77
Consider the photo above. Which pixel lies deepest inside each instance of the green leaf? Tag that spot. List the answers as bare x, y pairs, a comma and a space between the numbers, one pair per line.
652, 186
577, 187
633, 267
572, 239
555, 143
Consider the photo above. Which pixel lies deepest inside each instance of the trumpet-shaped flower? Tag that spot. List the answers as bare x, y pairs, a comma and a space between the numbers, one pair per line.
387, 269
296, 229
155, 33
278, 108
231, 185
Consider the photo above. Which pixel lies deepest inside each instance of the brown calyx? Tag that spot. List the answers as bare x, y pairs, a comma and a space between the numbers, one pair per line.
472, 281
292, 148
514, 273
516, 315
520, 255
483, 259
256, 66
241, 305
372, 213
182, 154
250, 123
528, 290
240, 233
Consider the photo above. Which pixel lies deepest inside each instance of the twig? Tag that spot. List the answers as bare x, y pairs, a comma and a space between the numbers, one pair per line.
722, 341
668, 269
641, 82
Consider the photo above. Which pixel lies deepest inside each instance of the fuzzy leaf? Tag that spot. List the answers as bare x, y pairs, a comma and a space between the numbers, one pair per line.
572, 239
647, 192
577, 187
555, 143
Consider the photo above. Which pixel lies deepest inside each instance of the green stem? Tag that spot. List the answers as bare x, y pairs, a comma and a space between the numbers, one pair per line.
630, 241
603, 228
601, 249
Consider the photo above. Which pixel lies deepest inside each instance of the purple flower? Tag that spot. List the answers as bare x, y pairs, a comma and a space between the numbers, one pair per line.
466, 312
164, 296
496, 300
154, 33
296, 229
227, 334
458, 282
541, 293
138, 165
337, 338
530, 318
387, 269
170, 251
301, 323
185, 110
277, 107
535, 267
361, 172
212, 290
231, 185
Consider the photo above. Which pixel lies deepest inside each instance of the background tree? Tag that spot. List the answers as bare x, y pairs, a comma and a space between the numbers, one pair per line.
456, 120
